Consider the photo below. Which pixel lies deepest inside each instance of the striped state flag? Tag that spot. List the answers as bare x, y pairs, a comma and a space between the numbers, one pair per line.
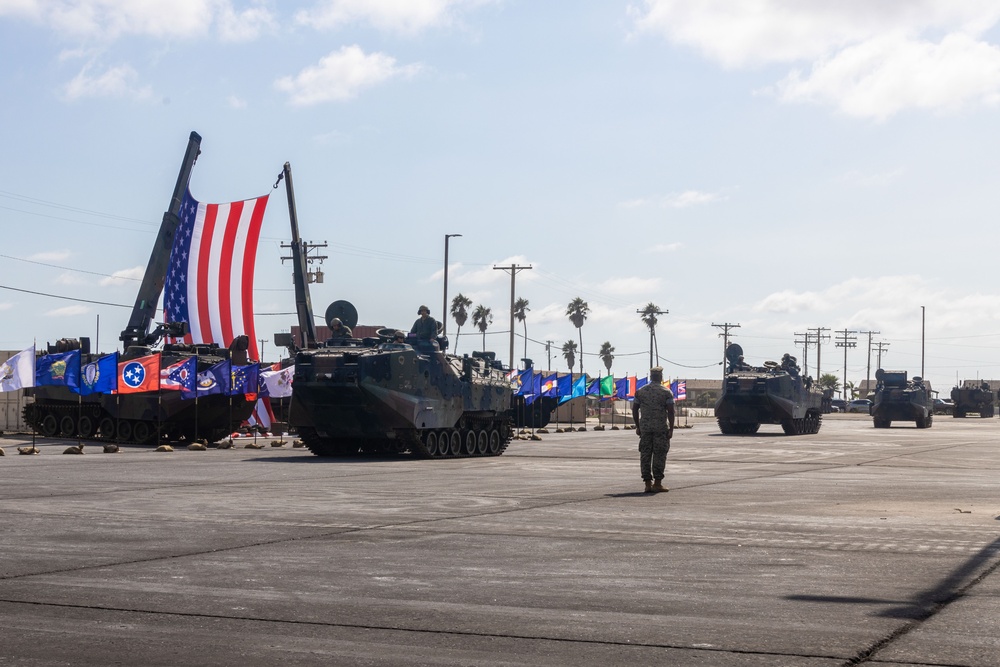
209, 282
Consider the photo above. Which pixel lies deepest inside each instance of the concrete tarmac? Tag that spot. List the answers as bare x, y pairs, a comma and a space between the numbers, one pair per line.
852, 546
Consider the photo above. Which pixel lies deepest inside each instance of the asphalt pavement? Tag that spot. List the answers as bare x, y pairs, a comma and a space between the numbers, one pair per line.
851, 546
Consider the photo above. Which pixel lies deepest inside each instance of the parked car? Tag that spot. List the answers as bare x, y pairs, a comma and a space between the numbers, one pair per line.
860, 405
943, 406
838, 405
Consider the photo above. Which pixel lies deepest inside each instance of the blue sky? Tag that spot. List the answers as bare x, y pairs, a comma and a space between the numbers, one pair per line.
781, 165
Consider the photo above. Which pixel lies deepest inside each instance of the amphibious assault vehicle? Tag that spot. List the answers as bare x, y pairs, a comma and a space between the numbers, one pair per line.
970, 398
377, 395
770, 394
899, 399
141, 418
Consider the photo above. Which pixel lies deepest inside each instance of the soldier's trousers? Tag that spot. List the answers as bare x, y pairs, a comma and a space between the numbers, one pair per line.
653, 448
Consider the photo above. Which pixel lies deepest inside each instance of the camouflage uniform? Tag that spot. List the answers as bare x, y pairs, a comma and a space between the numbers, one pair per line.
425, 329
652, 402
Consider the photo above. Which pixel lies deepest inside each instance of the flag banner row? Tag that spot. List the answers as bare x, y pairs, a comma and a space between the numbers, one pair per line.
110, 375
533, 384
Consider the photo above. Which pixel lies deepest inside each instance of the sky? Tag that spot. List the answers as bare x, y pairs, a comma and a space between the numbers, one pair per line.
781, 165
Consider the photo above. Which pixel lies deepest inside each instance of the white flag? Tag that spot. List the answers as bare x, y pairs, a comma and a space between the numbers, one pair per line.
18, 371
279, 383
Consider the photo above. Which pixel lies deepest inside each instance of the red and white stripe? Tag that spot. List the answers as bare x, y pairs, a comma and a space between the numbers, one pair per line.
221, 272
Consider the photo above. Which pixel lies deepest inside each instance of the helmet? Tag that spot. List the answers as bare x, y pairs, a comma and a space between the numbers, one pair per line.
422, 309
334, 321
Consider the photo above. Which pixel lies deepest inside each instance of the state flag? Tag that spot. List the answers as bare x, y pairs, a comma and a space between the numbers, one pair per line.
180, 376
277, 383
245, 380
60, 369
101, 376
139, 375
213, 380
18, 371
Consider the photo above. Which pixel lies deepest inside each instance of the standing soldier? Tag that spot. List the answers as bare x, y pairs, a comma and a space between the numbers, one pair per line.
653, 413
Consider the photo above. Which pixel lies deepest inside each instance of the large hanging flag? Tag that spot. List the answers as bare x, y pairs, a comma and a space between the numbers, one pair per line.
60, 369
209, 283
101, 376
180, 376
214, 380
277, 382
18, 371
139, 375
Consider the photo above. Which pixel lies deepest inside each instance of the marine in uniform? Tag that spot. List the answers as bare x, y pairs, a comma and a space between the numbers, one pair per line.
339, 330
425, 327
653, 413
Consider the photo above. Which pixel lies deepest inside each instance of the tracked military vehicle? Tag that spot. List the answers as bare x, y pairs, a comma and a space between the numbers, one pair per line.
142, 418
970, 398
770, 394
899, 399
376, 395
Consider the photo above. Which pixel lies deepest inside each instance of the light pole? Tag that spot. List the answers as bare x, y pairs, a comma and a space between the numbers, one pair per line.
444, 306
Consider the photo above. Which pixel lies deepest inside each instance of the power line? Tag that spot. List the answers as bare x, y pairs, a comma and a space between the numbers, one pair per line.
67, 298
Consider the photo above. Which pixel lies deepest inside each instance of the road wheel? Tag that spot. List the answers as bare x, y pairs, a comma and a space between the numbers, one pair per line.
67, 426
469, 447
494, 446
49, 426
106, 428
482, 443
85, 426
454, 444
142, 433
431, 444
124, 430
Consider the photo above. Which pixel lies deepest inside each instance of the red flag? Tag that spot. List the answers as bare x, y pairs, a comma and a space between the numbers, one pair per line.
138, 375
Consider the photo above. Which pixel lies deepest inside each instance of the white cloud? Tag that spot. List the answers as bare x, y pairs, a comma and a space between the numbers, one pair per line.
236, 102
630, 285
342, 75
50, 256
684, 199
886, 75
68, 311
123, 277
6, 305
117, 81
107, 20
69, 279
664, 247
400, 16
868, 59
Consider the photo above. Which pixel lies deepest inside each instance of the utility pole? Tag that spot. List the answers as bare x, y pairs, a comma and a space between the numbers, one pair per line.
805, 342
868, 374
846, 341
820, 337
513, 268
651, 334
881, 345
923, 330
444, 306
726, 326
548, 353
261, 341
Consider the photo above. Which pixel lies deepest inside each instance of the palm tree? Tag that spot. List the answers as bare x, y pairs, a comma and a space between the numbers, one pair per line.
649, 313
577, 311
521, 314
607, 355
829, 381
569, 353
459, 310
482, 317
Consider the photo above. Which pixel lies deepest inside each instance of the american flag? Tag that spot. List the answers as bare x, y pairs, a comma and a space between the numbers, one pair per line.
209, 282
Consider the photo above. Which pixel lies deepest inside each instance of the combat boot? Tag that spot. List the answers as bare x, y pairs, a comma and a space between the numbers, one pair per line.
649, 486
657, 487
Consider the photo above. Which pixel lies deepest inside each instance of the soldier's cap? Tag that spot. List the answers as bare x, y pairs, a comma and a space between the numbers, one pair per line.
399, 334
656, 369
335, 320
422, 309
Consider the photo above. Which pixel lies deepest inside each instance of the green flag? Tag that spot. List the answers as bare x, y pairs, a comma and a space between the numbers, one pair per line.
608, 386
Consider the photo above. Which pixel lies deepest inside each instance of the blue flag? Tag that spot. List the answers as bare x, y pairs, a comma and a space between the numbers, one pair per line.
180, 376
101, 376
640, 383
214, 380
548, 387
578, 389
530, 385
564, 387
58, 369
245, 380
594, 388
